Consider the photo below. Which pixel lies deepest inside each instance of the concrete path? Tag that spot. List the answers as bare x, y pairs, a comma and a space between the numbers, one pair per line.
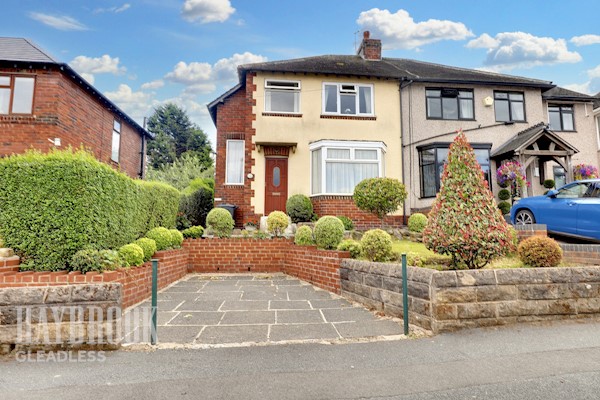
254, 309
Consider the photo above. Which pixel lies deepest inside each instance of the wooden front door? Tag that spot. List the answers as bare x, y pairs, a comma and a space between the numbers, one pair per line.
276, 184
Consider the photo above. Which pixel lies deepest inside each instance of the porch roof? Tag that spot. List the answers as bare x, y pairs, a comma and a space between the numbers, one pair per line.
525, 138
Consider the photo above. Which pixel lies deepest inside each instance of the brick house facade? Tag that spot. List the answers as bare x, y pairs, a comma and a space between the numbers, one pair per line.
64, 111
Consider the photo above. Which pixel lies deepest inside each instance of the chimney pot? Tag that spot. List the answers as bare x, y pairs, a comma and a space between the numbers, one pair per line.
366, 34
370, 49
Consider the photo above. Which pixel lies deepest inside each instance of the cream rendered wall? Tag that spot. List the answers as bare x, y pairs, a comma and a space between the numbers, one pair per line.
418, 130
311, 127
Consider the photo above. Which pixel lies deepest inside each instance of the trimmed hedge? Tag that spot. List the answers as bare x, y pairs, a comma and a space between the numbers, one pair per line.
193, 232
160, 203
299, 208
304, 236
176, 238
328, 232
132, 255
148, 246
161, 236
417, 222
377, 245
540, 252
89, 259
277, 223
219, 220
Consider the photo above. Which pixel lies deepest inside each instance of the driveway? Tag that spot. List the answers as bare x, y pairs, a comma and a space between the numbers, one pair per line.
209, 310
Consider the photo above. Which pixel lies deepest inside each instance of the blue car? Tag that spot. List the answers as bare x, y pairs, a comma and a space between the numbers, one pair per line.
572, 210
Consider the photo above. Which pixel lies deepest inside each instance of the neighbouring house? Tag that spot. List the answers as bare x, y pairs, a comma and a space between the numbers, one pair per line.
597, 118
319, 125
45, 104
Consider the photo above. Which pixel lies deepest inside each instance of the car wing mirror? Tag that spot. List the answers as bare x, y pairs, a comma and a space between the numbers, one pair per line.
552, 193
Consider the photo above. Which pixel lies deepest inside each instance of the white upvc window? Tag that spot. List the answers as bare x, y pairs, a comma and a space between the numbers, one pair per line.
116, 141
234, 168
282, 96
338, 166
347, 99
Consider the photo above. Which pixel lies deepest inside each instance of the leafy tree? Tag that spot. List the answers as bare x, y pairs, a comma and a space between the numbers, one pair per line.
176, 135
181, 172
464, 221
379, 196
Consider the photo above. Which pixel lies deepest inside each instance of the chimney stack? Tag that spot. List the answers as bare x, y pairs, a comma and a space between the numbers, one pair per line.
370, 49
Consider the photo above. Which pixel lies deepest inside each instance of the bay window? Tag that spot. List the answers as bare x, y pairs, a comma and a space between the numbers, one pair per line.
347, 99
338, 166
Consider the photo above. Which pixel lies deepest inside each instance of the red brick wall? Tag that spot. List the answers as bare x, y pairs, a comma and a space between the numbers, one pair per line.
62, 109
319, 267
234, 122
344, 205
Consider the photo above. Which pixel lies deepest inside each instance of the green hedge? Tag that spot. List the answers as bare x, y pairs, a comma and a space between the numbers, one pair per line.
56, 204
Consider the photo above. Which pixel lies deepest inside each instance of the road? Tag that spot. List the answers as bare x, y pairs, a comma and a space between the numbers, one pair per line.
557, 361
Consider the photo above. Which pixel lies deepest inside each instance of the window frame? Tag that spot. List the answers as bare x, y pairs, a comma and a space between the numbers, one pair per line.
441, 89
112, 143
357, 101
438, 178
11, 88
560, 115
297, 90
227, 163
508, 99
353, 146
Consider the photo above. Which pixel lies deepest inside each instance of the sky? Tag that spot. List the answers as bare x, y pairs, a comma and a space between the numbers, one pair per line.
144, 53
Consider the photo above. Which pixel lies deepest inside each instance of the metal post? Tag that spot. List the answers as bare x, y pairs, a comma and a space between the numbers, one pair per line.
153, 338
404, 294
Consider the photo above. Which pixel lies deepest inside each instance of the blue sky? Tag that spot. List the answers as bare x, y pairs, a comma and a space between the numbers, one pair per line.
141, 53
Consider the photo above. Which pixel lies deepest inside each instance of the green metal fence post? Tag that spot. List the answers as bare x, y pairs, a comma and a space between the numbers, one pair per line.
153, 336
404, 294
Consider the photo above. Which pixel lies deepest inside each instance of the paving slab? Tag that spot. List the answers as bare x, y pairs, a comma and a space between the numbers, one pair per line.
303, 332
299, 317
262, 295
196, 305
178, 334
217, 296
248, 317
245, 305
366, 329
234, 334
197, 318
348, 315
289, 305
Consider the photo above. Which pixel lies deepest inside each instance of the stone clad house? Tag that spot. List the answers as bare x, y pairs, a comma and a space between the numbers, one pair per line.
45, 104
319, 125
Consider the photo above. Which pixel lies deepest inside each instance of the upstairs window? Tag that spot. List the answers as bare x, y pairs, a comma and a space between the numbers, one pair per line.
509, 106
347, 99
16, 94
449, 104
116, 141
561, 118
282, 96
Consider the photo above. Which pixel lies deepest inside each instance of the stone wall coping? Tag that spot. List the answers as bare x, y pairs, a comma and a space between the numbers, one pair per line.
531, 227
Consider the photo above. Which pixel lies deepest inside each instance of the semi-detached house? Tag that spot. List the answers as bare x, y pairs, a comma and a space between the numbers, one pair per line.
319, 125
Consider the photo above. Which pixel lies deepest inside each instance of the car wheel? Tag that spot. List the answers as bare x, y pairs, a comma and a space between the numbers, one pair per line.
524, 217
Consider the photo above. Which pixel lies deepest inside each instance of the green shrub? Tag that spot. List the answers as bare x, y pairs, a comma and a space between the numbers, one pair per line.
55, 204
160, 203
131, 254
504, 194
504, 206
220, 222
277, 222
379, 196
352, 246
417, 222
1, 242
195, 206
199, 183
304, 236
413, 259
161, 236
549, 183
377, 245
328, 232
148, 247
176, 238
299, 208
89, 259
514, 237
194, 232
464, 221
540, 251
348, 224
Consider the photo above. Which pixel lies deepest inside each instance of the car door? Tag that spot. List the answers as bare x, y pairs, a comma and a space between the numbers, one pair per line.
588, 212
560, 212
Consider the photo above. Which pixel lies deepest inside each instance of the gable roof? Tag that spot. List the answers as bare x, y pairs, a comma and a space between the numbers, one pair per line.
524, 138
560, 93
23, 53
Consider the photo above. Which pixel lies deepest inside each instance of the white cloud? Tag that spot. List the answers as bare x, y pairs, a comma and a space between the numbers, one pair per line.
115, 10
135, 104
585, 40
60, 22
594, 72
191, 73
226, 68
155, 84
592, 86
510, 50
206, 11
579, 87
88, 66
400, 31
200, 88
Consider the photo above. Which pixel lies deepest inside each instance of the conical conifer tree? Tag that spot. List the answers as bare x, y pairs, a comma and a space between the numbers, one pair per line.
465, 222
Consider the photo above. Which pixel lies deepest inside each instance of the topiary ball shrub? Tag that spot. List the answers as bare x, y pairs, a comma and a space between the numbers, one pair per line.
379, 196
504, 194
304, 236
148, 246
377, 245
348, 224
540, 251
277, 222
299, 208
132, 255
504, 206
328, 232
352, 246
549, 183
176, 238
220, 222
417, 222
161, 236
194, 232
89, 259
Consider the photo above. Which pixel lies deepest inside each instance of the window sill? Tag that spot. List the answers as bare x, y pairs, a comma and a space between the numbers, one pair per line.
234, 184
276, 114
447, 119
350, 117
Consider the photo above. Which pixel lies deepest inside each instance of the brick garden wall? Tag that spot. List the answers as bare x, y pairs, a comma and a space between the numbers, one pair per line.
344, 205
